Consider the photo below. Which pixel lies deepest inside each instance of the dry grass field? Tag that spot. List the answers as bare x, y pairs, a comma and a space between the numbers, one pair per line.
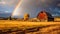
19, 27
57, 19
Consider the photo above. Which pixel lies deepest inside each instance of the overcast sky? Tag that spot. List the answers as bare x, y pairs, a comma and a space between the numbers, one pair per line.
29, 6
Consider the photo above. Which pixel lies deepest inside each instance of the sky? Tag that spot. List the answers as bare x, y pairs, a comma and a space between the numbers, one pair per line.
32, 7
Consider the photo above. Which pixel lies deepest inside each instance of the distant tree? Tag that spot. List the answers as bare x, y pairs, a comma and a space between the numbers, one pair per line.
26, 16
9, 18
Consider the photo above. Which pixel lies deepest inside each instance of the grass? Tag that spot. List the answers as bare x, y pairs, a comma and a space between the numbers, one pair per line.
19, 27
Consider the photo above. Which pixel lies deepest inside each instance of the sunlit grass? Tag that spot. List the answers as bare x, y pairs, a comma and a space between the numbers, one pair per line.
16, 25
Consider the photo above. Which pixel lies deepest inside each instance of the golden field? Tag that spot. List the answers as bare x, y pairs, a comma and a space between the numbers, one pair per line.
57, 19
25, 27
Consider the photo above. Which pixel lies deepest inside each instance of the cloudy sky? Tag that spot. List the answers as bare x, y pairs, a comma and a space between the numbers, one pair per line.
29, 6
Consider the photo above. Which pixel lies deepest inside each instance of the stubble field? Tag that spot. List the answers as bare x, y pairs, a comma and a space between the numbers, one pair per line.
19, 27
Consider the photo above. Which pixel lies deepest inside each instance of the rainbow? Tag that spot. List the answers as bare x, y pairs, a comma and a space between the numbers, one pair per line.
16, 8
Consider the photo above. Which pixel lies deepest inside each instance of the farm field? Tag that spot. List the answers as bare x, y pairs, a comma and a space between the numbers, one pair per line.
25, 27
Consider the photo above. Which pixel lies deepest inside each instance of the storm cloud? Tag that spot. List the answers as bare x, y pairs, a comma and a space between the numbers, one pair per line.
31, 6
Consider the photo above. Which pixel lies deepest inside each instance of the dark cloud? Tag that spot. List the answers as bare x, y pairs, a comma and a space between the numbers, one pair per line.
32, 6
